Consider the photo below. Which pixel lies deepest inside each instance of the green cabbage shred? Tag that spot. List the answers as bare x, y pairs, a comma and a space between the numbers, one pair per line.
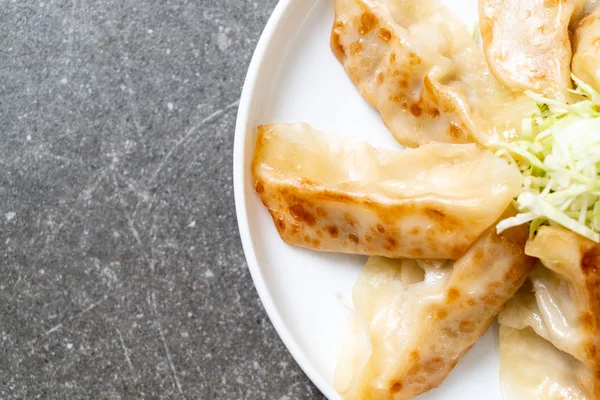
558, 155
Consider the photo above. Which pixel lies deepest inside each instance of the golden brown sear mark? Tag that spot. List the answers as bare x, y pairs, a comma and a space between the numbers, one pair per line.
455, 131
452, 295
349, 219
321, 212
433, 112
391, 244
367, 22
298, 212
434, 213
396, 387
333, 231
356, 47
384, 34
440, 314
466, 327
590, 259
259, 187
280, 224
416, 110
335, 41
415, 230
414, 59
433, 365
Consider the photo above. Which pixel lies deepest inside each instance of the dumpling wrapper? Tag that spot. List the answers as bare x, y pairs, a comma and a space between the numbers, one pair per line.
527, 45
532, 368
330, 193
561, 305
417, 64
414, 320
586, 49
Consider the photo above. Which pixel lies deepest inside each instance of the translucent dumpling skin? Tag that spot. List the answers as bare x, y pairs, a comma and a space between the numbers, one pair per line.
586, 49
420, 318
558, 309
532, 368
328, 193
416, 63
526, 43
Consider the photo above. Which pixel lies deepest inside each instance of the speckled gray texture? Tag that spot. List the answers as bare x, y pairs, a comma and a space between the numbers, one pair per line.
121, 270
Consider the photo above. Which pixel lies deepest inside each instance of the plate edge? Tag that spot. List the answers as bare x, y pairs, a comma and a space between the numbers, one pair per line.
239, 163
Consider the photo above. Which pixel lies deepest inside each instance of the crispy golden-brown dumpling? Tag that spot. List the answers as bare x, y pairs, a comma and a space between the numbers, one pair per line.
416, 63
557, 317
586, 49
527, 44
414, 319
328, 193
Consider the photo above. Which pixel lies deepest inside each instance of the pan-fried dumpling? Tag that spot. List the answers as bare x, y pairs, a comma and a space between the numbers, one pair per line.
532, 368
328, 193
586, 49
527, 44
416, 63
557, 314
414, 319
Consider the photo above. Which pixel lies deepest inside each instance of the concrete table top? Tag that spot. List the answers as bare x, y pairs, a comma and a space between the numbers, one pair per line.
121, 271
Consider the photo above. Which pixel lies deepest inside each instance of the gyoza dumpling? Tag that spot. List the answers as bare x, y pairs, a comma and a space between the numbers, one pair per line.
414, 320
586, 49
526, 43
416, 63
532, 368
556, 318
328, 193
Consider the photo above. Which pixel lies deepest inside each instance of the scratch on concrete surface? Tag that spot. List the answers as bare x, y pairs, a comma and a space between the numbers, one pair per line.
92, 306
72, 317
133, 229
170, 359
126, 353
151, 299
53, 329
188, 134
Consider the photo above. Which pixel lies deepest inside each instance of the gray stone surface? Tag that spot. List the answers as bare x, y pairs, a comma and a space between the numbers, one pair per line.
121, 270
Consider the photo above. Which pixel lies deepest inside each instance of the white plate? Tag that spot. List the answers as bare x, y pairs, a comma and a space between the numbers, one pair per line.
294, 77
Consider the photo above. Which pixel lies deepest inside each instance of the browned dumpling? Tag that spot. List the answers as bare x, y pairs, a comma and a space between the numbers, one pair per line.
586, 49
417, 64
414, 319
328, 193
550, 331
526, 43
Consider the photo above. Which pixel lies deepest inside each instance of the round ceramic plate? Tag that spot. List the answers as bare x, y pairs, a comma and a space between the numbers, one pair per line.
294, 77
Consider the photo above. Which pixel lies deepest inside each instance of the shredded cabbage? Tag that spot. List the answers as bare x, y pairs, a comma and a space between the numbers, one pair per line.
476, 32
559, 156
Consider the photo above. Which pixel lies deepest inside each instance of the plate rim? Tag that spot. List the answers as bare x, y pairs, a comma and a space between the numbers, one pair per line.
239, 165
